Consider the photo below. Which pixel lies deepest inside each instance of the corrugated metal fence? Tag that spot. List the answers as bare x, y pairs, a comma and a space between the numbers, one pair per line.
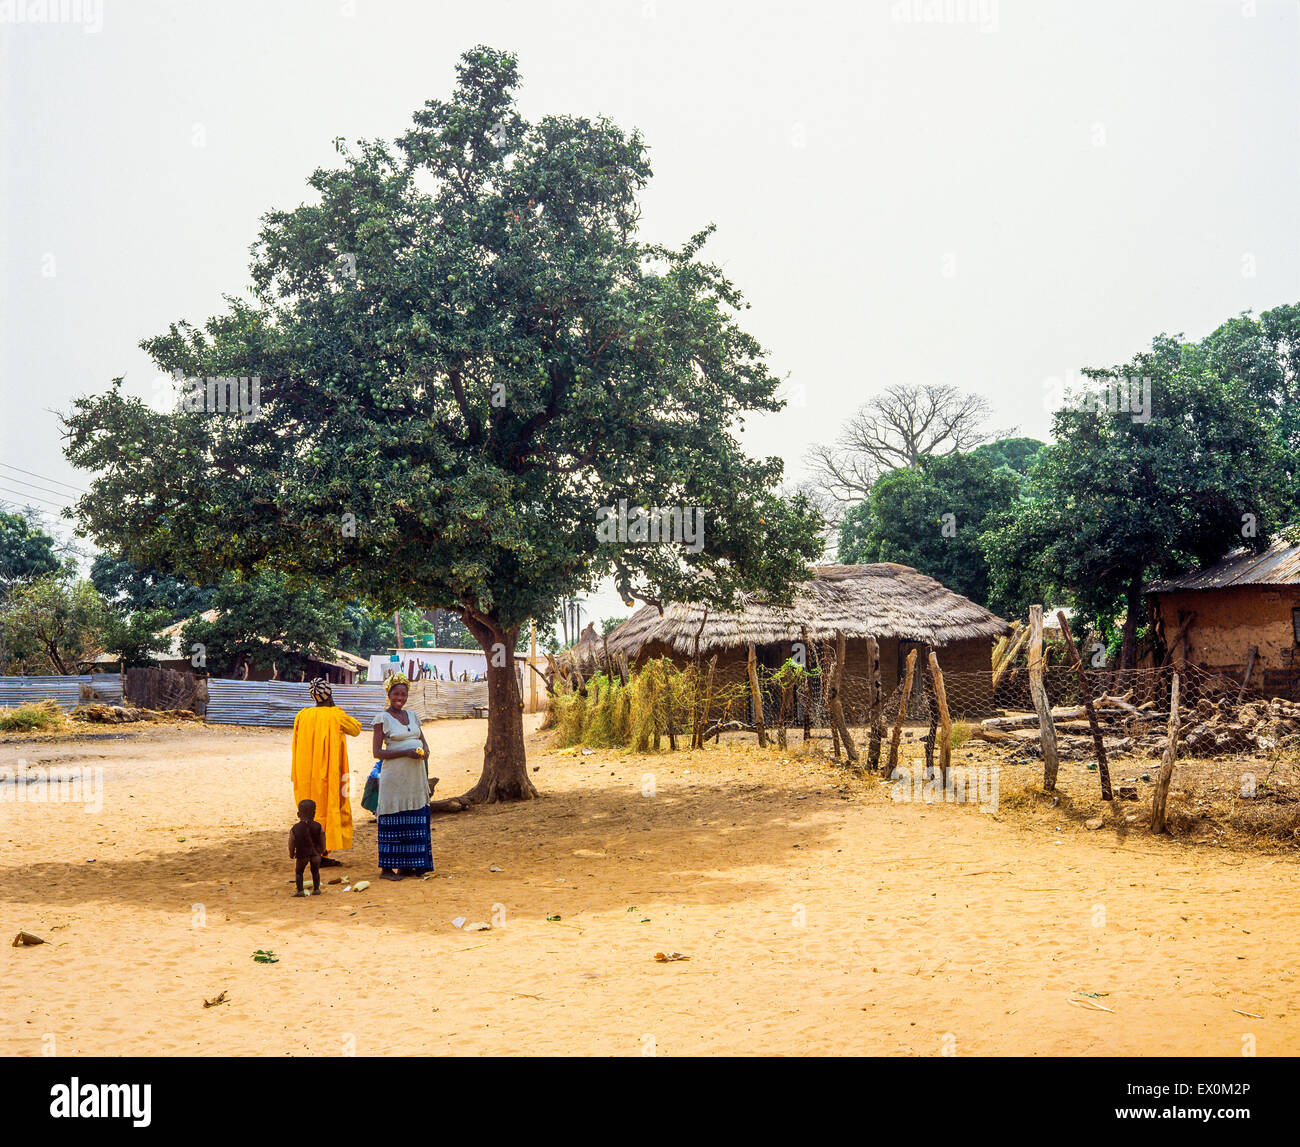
276, 703
15, 691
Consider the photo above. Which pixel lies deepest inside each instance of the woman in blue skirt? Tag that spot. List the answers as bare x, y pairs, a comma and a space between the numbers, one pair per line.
405, 844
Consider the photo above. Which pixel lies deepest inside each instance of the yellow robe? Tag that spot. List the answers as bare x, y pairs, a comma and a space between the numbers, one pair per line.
320, 769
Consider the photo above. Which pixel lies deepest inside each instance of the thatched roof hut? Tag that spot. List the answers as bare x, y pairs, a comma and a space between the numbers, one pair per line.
884, 601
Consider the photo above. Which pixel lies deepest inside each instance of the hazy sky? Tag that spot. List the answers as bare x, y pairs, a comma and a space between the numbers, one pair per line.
988, 194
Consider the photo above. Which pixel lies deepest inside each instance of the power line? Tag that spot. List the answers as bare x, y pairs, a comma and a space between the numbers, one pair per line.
34, 486
52, 481
28, 499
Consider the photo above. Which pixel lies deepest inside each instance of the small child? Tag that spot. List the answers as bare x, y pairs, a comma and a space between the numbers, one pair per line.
306, 844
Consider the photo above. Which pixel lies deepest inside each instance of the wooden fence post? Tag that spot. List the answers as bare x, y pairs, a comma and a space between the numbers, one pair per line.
1161, 795
756, 697
807, 685
875, 709
1085, 694
945, 736
1046, 730
897, 734
668, 707
837, 704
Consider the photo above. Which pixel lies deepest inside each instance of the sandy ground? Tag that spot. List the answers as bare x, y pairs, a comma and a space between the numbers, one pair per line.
820, 917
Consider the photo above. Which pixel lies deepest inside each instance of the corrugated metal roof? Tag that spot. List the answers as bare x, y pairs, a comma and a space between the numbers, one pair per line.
1277, 565
276, 703
15, 691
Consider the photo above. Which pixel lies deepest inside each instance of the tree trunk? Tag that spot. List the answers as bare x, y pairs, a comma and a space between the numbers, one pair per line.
1128, 646
756, 697
1046, 730
505, 764
1161, 794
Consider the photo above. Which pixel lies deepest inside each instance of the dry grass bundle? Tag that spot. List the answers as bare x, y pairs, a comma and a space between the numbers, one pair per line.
39, 717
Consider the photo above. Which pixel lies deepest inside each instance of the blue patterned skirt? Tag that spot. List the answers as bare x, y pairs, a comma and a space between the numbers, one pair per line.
405, 842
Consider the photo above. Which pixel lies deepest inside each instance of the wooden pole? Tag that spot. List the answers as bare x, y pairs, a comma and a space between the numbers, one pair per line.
786, 690
1046, 730
837, 705
874, 715
807, 687
1085, 695
756, 697
1161, 795
532, 660
1005, 663
708, 702
897, 734
668, 707
945, 736
1245, 681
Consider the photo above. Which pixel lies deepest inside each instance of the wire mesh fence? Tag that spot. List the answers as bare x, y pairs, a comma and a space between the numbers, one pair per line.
662, 701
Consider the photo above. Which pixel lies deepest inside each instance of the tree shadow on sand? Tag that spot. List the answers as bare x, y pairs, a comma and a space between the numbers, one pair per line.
585, 849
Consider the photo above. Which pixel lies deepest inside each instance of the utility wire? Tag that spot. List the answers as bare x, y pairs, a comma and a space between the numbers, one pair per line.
52, 481
34, 486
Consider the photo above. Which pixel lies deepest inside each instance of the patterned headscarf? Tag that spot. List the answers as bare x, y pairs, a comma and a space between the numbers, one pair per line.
320, 689
396, 679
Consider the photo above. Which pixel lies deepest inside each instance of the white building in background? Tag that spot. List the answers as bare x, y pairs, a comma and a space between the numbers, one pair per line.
438, 664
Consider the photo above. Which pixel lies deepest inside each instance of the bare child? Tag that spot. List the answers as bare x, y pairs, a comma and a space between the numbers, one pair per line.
306, 844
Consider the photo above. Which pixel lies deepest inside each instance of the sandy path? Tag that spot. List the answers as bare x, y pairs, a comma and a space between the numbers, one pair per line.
817, 920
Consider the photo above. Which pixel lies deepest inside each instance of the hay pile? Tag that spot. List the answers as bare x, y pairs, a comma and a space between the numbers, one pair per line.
101, 714
39, 717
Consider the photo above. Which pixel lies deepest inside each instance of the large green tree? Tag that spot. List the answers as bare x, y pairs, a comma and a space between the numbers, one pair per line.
465, 352
1166, 462
932, 516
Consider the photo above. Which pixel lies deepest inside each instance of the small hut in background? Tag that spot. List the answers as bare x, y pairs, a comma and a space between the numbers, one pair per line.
1239, 617
901, 608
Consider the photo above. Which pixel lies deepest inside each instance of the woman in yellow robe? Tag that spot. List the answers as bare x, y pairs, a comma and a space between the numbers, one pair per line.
320, 765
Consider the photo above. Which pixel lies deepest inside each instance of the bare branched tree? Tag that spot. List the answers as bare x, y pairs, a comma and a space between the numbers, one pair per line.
898, 428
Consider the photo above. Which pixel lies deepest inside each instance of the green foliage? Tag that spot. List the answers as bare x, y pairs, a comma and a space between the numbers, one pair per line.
52, 625
443, 425
26, 552
136, 639
266, 623
1016, 454
1117, 498
932, 517
128, 588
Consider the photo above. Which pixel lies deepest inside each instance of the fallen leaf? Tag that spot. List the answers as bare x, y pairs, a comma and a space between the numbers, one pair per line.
668, 957
212, 1003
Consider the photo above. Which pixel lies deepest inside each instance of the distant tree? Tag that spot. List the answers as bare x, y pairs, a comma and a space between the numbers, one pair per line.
1016, 454
896, 429
26, 552
450, 632
136, 637
266, 624
1133, 486
128, 588
53, 624
609, 624
932, 517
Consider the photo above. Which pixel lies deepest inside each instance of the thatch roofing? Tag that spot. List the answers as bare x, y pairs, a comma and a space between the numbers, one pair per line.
881, 601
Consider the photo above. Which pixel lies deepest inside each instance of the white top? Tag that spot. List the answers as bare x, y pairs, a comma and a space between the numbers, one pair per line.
403, 781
